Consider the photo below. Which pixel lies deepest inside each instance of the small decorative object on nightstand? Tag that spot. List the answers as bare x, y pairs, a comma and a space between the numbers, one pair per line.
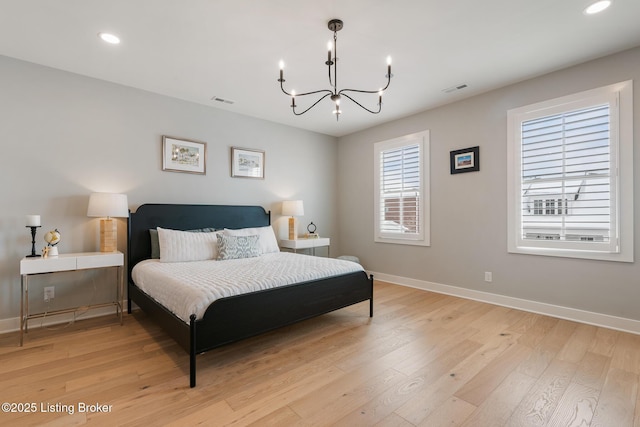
311, 228
52, 238
33, 222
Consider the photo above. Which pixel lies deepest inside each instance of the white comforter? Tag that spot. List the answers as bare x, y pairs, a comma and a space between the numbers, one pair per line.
190, 287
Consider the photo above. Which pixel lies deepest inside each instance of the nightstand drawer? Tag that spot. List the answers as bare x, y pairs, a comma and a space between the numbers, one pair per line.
47, 265
100, 259
305, 244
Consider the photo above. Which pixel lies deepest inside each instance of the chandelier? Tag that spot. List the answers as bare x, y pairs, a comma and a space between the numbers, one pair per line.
336, 95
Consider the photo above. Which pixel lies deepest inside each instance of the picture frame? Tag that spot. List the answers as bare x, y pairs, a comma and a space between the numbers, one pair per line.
184, 155
247, 163
465, 160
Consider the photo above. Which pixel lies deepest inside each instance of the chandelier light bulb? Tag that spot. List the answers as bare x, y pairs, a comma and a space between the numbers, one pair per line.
388, 60
281, 64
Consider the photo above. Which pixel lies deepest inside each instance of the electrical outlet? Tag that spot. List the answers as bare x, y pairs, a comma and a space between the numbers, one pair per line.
49, 293
488, 276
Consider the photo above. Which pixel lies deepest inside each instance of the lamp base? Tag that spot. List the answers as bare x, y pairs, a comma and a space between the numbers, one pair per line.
108, 235
292, 229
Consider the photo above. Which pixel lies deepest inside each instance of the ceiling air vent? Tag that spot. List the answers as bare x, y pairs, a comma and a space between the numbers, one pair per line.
223, 100
454, 88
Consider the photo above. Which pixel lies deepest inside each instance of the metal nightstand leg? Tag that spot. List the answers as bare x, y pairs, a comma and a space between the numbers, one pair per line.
24, 305
121, 293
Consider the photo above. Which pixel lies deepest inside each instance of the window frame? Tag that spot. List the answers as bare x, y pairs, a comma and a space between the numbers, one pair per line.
423, 237
620, 99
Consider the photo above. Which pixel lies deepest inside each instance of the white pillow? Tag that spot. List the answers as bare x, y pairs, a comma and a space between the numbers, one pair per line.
179, 246
268, 241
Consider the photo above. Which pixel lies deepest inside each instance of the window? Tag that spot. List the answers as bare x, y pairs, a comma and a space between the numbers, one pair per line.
537, 207
563, 204
401, 194
571, 159
550, 207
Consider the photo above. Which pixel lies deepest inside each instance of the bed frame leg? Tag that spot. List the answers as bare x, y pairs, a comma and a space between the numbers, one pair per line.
371, 299
192, 351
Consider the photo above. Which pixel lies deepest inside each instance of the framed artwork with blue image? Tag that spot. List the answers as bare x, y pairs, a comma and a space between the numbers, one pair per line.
465, 160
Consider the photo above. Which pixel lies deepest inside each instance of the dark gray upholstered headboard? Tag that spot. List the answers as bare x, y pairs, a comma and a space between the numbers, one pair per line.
186, 217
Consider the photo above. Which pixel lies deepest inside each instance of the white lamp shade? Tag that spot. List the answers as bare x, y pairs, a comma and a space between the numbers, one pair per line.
108, 204
292, 208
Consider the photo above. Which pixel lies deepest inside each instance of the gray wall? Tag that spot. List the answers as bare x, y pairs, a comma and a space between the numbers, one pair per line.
64, 136
469, 211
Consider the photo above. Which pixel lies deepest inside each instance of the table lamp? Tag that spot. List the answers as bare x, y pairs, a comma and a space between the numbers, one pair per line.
108, 205
292, 208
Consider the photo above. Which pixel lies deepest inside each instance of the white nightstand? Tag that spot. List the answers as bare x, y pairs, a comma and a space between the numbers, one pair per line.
299, 244
68, 262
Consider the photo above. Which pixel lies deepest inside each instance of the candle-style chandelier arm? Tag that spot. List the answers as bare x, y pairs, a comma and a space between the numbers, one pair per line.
367, 91
306, 93
362, 106
293, 106
326, 92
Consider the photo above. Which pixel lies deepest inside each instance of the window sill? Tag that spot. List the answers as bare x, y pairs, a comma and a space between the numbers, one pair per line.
564, 253
407, 242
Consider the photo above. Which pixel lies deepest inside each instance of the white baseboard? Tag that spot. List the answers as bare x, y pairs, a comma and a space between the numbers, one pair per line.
13, 324
567, 313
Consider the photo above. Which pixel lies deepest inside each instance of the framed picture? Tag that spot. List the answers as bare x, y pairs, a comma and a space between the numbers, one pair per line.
246, 163
183, 155
465, 160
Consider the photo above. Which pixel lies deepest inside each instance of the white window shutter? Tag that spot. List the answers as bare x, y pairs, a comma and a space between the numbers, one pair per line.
570, 166
401, 190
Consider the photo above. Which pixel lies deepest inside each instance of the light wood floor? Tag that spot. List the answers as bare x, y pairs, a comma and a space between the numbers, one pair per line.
424, 359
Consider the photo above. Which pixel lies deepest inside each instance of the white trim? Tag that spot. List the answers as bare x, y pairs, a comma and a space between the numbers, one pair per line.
567, 313
620, 98
423, 238
13, 324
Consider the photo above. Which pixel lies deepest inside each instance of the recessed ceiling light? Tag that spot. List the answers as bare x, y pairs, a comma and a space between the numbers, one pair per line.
597, 7
109, 38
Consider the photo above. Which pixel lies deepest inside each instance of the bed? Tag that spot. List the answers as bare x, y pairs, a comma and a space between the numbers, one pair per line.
236, 317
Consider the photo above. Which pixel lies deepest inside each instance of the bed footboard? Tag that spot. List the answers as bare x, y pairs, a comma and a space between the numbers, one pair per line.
232, 319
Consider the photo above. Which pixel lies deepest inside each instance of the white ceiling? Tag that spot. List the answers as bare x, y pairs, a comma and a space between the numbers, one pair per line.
197, 49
